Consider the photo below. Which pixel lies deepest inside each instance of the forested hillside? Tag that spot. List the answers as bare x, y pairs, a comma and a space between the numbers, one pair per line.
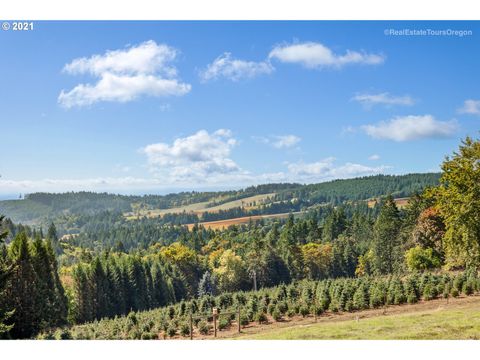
339, 254
40, 208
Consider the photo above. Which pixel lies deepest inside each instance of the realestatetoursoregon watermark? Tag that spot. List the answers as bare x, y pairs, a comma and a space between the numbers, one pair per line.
427, 32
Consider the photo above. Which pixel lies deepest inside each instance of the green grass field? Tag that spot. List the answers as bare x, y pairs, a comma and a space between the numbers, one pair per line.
198, 208
455, 322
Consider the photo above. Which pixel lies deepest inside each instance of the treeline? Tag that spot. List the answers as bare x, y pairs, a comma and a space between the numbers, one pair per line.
338, 191
116, 284
38, 207
32, 297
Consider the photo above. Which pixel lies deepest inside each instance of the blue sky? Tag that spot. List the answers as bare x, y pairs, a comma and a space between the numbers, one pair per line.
135, 107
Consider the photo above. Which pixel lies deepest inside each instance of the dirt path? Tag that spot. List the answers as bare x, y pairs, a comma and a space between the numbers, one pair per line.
329, 317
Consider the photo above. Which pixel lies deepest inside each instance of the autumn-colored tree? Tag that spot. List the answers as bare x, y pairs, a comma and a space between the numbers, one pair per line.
185, 259
317, 259
458, 200
429, 230
231, 273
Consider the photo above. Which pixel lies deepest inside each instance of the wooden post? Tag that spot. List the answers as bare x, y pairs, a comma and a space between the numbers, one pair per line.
238, 319
191, 326
215, 312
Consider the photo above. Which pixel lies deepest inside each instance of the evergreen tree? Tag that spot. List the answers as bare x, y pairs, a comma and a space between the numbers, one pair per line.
207, 285
386, 231
52, 236
5, 273
22, 291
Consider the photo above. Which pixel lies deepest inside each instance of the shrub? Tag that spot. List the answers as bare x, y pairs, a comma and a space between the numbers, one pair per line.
135, 334
148, 336
171, 330
429, 292
316, 310
396, 292
282, 307
223, 323
458, 283
46, 336
292, 292
203, 327
182, 308
348, 305
171, 312
411, 291
131, 320
360, 297
291, 313
446, 290
421, 259
63, 334
454, 292
185, 329
377, 295
250, 315
323, 298
244, 320
271, 309
240, 298
468, 287
304, 310
261, 318
277, 315
252, 304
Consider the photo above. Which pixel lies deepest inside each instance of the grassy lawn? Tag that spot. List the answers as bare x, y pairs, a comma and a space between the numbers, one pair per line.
456, 322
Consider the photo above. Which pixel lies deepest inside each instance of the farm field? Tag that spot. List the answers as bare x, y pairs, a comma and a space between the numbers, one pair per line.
221, 224
247, 203
459, 319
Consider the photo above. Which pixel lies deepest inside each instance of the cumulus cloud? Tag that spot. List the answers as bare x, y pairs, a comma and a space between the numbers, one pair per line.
280, 141
369, 100
225, 66
406, 128
195, 157
316, 55
124, 75
470, 107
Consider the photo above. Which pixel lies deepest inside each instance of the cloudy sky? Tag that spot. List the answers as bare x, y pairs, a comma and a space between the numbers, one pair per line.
153, 107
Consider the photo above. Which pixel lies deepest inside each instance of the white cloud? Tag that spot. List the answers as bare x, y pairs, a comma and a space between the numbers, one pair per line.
279, 141
177, 167
316, 55
374, 157
193, 158
411, 127
124, 75
109, 184
326, 170
470, 107
285, 141
385, 98
234, 69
